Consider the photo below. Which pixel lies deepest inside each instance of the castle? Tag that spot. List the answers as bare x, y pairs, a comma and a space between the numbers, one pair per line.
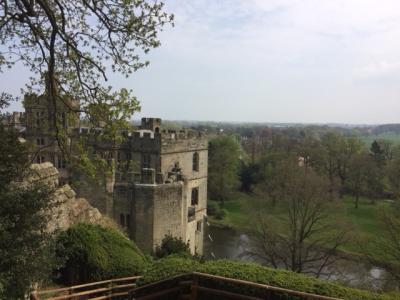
165, 190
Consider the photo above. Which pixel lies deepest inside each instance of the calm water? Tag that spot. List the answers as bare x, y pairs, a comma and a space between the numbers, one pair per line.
230, 244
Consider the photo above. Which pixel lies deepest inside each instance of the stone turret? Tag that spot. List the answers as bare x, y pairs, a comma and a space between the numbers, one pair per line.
153, 124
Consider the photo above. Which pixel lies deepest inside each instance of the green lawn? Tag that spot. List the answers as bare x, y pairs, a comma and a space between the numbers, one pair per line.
390, 136
363, 222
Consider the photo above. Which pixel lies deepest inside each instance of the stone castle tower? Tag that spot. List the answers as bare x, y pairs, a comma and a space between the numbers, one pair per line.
167, 193
165, 190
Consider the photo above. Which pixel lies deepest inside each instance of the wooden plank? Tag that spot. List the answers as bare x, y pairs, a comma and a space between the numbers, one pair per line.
119, 294
85, 293
226, 294
161, 281
74, 287
194, 287
266, 287
158, 294
100, 298
122, 286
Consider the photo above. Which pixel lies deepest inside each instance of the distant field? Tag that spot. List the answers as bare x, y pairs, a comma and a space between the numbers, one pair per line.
363, 222
390, 136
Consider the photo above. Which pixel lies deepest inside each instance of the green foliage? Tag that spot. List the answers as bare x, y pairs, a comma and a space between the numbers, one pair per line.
223, 172
221, 213
84, 41
172, 245
250, 175
212, 208
393, 174
174, 265
25, 246
387, 244
92, 252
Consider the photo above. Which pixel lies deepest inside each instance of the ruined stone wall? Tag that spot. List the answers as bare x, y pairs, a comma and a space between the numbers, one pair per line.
72, 210
122, 206
69, 209
169, 210
96, 194
143, 216
156, 210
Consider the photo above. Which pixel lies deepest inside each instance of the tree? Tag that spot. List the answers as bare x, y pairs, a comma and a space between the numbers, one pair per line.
359, 169
249, 175
332, 158
273, 173
70, 47
350, 147
302, 239
393, 174
223, 171
377, 153
25, 245
172, 245
387, 245
327, 159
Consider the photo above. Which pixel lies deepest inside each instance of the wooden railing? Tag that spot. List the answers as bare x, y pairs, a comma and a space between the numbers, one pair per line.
107, 289
199, 286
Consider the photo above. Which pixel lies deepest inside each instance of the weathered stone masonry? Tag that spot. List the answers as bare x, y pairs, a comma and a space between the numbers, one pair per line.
165, 191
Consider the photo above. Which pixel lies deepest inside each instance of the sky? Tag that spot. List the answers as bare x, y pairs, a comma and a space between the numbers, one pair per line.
308, 61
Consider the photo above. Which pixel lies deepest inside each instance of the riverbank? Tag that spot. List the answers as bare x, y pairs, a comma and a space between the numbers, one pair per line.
348, 270
362, 221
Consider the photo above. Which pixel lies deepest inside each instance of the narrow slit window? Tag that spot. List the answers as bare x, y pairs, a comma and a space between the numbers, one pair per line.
196, 161
195, 196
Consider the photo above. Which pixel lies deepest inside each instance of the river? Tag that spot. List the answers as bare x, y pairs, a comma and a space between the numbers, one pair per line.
230, 244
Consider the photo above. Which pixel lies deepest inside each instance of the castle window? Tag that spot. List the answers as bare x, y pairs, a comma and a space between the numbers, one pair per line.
195, 196
122, 220
39, 118
40, 141
60, 162
198, 227
39, 159
196, 162
145, 160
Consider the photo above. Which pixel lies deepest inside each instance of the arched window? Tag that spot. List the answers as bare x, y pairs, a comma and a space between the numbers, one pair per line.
195, 161
122, 220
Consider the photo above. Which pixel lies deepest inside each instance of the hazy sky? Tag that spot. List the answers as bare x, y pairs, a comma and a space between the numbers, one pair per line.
272, 61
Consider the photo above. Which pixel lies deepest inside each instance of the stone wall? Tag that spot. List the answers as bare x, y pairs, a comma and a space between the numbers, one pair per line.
69, 210
169, 210
72, 210
142, 211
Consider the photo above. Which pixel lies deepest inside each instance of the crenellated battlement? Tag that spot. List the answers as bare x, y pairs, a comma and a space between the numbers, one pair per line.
34, 101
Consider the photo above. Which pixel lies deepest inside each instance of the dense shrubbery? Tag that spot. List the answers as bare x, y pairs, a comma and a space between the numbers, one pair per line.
214, 209
174, 265
172, 245
92, 252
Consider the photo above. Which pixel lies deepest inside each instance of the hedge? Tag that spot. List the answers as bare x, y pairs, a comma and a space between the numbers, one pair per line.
175, 265
92, 252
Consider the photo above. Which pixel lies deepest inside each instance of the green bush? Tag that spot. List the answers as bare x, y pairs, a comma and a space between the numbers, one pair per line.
174, 265
212, 208
220, 214
172, 245
93, 252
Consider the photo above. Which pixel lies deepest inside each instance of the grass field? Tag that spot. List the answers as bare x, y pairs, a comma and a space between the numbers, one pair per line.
363, 222
390, 136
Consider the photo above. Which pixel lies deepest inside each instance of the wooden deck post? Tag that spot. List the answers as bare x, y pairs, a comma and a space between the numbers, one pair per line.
194, 287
